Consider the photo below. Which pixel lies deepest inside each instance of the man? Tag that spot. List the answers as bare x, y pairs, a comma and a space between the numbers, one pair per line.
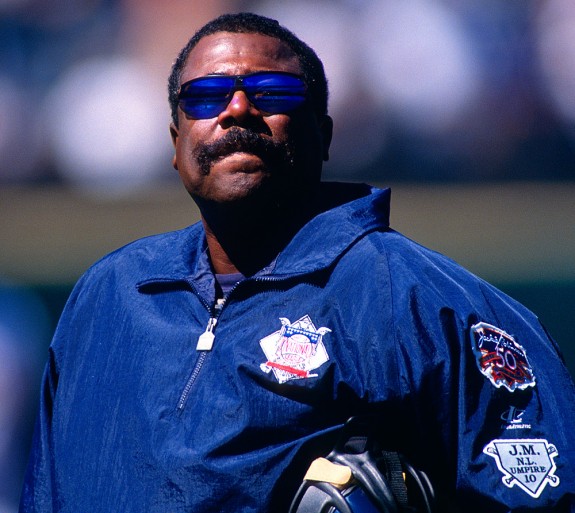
203, 370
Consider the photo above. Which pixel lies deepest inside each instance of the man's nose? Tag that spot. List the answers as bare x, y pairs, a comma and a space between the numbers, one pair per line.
238, 111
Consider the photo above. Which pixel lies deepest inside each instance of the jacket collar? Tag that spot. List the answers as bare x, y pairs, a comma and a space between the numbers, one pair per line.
349, 211
353, 211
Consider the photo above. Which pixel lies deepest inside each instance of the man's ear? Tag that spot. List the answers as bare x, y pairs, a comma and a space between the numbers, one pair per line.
174, 134
326, 128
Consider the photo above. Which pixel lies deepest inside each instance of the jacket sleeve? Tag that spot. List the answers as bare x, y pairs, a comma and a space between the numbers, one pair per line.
488, 383
37, 493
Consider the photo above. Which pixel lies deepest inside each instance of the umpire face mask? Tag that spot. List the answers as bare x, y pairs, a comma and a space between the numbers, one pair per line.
359, 477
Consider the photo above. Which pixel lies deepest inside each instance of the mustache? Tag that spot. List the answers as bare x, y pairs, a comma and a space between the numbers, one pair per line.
243, 140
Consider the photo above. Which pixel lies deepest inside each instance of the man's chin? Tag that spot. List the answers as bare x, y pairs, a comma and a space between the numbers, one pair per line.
235, 188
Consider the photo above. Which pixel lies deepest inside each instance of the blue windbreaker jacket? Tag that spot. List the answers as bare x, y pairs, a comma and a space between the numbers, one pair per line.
352, 318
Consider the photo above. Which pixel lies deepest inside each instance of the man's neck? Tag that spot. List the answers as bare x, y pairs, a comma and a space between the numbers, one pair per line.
246, 251
246, 242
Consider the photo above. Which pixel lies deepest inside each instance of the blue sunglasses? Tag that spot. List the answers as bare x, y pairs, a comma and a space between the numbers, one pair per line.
271, 92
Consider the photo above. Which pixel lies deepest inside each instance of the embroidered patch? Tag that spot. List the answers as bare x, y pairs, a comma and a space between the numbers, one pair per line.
527, 463
500, 358
294, 350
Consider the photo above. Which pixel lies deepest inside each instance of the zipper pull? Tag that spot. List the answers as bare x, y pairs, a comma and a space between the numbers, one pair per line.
206, 339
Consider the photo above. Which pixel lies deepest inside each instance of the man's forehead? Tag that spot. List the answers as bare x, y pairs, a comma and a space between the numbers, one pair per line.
237, 53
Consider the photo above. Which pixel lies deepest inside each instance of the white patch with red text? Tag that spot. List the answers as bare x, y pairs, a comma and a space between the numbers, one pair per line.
294, 350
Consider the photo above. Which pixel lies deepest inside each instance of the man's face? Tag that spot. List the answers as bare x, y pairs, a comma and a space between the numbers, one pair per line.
242, 152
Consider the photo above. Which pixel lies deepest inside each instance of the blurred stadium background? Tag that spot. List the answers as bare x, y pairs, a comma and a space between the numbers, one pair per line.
466, 108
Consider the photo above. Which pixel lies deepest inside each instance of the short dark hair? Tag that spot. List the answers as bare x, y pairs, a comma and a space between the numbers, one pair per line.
249, 23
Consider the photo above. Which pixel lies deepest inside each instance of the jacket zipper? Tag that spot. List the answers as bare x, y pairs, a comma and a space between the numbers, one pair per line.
204, 346
206, 341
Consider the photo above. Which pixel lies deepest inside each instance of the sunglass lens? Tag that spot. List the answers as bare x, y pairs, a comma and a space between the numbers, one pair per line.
275, 93
203, 108
205, 98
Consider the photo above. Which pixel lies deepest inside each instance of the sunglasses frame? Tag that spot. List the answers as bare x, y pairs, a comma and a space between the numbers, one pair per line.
294, 95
